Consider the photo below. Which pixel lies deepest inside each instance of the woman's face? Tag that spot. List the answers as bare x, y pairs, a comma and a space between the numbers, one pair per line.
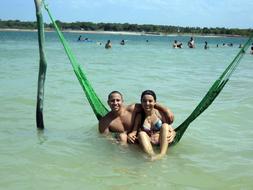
148, 102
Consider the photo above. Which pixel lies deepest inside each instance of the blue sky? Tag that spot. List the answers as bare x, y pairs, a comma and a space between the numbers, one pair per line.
202, 13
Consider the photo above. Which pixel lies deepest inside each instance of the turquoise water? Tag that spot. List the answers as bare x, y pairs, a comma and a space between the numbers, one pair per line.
216, 151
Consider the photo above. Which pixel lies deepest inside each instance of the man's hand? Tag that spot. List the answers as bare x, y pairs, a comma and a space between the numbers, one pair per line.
171, 135
131, 137
169, 116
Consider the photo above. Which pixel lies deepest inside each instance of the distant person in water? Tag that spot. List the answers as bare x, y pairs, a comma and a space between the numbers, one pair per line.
122, 42
191, 43
108, 45
251, 51
206, 46
177, 44
230, 44
79, 38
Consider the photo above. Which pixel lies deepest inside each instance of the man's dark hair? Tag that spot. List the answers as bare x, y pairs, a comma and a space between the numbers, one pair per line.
115, 92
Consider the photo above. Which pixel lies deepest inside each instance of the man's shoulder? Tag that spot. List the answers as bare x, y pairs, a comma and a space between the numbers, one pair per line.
106, 119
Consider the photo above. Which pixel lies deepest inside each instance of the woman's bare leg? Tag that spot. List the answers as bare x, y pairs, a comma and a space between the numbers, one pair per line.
144, 140
163, 141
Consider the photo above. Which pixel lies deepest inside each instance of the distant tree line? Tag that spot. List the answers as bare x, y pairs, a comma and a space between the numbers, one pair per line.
145, 28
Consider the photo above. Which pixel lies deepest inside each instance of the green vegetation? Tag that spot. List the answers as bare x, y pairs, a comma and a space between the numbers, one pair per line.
145, 28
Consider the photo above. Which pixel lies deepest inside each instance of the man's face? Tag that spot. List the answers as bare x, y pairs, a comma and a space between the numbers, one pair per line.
115, 102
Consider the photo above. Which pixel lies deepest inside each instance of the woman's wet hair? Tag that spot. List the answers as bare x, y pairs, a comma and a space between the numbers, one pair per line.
148, 92
114, 92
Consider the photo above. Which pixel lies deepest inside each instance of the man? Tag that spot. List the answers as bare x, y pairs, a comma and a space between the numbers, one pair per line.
191, 43
120, 120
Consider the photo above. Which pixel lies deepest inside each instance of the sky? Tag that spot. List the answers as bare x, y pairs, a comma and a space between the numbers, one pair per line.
185, 13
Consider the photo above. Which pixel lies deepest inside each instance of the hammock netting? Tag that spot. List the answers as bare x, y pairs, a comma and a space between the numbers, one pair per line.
100, 110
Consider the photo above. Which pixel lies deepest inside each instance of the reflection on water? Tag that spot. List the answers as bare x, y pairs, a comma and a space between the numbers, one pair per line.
41, 136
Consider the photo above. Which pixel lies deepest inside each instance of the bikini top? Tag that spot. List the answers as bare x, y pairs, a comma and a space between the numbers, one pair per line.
156, 126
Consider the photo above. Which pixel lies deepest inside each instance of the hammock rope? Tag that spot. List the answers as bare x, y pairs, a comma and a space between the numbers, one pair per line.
100, 110
97, 106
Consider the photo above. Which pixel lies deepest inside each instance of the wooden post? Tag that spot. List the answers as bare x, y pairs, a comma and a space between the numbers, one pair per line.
42, 67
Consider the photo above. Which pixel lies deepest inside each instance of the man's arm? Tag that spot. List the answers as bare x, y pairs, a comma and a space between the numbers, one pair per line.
103, 126
167, 112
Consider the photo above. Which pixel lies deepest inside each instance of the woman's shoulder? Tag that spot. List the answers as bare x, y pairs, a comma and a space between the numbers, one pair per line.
159, 114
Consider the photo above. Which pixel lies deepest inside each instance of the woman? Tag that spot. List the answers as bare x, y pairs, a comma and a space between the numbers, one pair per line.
151, 126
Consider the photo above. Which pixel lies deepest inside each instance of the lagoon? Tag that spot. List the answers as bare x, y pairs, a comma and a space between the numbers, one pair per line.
216, 151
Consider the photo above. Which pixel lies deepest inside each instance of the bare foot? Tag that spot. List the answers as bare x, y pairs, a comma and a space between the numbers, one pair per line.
157, 157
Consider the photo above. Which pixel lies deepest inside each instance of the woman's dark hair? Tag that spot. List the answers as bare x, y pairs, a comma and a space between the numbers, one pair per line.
148, 92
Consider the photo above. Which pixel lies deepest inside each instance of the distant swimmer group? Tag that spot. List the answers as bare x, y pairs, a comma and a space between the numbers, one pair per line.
176, 44
191, 44
81, 39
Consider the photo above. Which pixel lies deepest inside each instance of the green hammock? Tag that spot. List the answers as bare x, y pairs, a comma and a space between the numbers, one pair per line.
100, 110
97, 106
212, 93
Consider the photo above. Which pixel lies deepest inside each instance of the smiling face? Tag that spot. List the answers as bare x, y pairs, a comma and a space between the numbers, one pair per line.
148, 102
115, 101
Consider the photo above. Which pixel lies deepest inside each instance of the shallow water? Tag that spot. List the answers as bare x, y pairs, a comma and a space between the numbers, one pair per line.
216, 151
